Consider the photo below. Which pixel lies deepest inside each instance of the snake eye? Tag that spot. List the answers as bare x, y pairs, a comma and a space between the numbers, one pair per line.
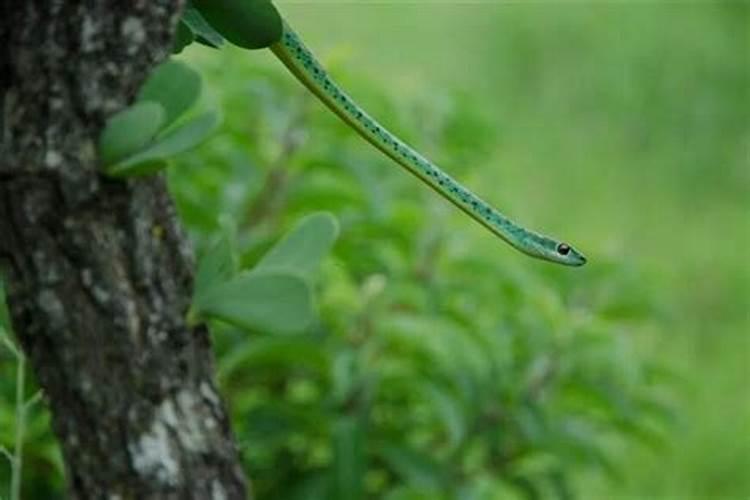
563, 249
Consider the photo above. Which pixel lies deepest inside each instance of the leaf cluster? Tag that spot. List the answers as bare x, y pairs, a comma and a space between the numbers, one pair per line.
140, 139
435, 368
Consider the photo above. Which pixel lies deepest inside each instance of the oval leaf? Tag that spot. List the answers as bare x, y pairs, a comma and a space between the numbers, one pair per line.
271, 301
183, 37
217, 266
174, 85
250, 24
204, 32
176, 141
130, 130
302, 248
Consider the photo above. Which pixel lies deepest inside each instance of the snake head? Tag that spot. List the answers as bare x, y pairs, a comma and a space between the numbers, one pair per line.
552, 250
566, 254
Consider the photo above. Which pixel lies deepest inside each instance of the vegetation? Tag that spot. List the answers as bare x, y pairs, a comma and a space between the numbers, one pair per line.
441, 364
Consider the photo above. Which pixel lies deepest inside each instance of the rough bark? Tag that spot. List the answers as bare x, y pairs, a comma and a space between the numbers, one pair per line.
99, 272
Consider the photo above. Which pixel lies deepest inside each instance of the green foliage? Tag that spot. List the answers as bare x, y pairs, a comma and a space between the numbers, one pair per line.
217, 266
266, 301
183, 37
276, 295
140, 139
19, 421
250, 24
201, 30
435, 369
304, 247
440, 364
130, 130
175, 86
154, 157
4, 314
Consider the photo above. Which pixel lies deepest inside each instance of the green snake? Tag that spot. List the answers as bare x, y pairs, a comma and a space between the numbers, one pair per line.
301, 62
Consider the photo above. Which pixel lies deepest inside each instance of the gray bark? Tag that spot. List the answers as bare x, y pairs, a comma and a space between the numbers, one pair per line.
99, 272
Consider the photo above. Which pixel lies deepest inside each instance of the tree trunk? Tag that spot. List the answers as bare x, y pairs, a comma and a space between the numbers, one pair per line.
99, 272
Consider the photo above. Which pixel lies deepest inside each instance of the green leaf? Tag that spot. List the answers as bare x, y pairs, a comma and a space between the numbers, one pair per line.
182, 38
218, 265
144, 168
273, 422
344, 375
278, 352
176, 141
250, 24
174, 85
315, 486
412, 466
448, 407
271, 301
204, 32
4, 314
130, 130
302, 248
349, 464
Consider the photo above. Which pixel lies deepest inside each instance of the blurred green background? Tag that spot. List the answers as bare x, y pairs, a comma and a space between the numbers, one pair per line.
444, 364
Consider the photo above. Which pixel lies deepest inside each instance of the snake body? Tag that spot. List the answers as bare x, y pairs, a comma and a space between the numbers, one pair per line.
300, 61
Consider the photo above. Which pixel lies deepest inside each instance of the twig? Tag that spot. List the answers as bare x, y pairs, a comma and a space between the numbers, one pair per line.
4, 452
15, 482
272, 195
32, 401
11, 346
